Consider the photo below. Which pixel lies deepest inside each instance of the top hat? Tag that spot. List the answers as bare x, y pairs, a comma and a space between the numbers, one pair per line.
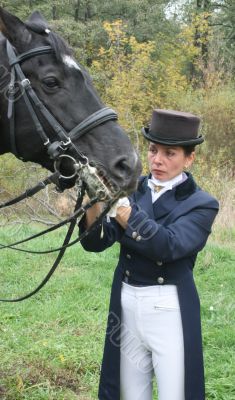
175, 128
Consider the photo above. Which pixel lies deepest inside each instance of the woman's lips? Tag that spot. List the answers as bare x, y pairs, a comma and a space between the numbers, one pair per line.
158, 171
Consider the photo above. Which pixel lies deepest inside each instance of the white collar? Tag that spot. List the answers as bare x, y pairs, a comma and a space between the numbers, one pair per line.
167, 184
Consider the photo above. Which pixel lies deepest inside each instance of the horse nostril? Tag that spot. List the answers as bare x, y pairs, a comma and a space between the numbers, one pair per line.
121, 167
124, 172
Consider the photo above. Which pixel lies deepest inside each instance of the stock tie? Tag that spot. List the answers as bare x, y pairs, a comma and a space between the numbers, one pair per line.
157, 188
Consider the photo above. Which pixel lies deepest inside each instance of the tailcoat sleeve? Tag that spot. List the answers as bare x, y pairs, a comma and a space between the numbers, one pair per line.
103, 236
179, 237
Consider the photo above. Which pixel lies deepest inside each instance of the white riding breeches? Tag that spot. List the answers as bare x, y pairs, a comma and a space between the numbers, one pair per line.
151, 343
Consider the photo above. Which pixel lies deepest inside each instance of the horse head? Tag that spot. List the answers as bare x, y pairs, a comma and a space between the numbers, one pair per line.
53, 95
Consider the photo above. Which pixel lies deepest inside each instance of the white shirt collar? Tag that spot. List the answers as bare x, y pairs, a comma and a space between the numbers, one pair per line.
166, 185
169, 184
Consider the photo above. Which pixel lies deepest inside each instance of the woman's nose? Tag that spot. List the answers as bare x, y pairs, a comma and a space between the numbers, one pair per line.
157, 159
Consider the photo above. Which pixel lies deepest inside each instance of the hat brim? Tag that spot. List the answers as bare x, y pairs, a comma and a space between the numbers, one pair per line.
171, 141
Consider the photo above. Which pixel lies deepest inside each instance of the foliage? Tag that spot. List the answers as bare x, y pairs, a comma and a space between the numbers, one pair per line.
135, 78
198, 34
216, 106
132, 80
221, 23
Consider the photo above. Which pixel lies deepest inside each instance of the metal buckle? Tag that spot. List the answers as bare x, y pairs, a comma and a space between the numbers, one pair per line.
11, 88
66, 144
25, 83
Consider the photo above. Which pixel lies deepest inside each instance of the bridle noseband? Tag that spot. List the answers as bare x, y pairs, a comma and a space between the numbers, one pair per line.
64, 140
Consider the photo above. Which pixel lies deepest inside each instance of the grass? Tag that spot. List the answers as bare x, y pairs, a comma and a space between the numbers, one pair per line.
51, 345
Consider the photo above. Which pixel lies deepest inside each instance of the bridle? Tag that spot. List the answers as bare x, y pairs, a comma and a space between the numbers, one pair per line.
64, 140
96, 188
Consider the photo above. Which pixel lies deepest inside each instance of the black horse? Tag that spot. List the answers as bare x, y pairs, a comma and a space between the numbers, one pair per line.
47, 68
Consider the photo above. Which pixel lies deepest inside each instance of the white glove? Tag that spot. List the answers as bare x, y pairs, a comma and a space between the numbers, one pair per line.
122, 202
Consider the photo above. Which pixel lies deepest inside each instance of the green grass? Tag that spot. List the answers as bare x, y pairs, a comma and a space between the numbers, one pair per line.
51, 345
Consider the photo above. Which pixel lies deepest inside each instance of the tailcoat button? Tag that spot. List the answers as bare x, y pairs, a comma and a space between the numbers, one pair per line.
134, 235
159, 263
160, 280
127, 272
128, 256
138, 239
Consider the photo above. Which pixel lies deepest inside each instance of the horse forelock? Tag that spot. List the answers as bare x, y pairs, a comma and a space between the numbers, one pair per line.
58, 44
62, 52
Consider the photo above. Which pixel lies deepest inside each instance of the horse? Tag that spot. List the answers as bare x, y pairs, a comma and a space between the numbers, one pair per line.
50, 110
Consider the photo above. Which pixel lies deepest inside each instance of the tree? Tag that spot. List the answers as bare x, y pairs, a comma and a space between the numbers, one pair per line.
77, 6
224, 27
133, 81
216, 41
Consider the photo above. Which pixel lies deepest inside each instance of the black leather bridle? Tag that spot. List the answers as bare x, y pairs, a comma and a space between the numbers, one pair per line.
56, 149
64, 140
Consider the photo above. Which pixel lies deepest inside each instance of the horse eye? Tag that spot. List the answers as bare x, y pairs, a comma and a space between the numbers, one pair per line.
51, 82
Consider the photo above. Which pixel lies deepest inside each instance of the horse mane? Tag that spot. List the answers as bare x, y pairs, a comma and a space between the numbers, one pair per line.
55, 41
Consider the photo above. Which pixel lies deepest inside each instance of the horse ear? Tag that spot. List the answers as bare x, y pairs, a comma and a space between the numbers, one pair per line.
37, 23
13, 28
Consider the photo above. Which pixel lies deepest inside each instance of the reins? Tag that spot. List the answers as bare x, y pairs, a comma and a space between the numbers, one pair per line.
56, 150
31, 191
78, 211
73, 222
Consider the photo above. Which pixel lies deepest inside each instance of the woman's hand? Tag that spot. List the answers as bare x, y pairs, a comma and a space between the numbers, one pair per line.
93, 213
121, 211
122, 215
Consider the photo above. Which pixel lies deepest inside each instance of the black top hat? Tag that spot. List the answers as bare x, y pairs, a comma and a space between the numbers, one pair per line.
176, 128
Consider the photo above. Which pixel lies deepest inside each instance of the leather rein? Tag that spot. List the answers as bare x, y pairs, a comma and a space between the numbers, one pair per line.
96, 188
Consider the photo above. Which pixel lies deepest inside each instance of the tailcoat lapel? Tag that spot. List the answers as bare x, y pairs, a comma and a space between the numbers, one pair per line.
165, 204
143, 197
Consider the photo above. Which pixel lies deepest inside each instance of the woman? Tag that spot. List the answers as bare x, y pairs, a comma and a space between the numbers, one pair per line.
154, 321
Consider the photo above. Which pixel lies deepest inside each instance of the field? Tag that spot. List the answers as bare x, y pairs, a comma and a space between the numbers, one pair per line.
51, 345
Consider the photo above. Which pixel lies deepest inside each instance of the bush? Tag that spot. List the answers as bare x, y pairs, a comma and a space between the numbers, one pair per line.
216, 108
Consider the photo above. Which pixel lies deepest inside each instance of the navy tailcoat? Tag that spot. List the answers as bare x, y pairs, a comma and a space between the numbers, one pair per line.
159, 246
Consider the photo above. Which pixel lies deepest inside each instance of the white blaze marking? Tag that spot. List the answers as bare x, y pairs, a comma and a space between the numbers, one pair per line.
70, 62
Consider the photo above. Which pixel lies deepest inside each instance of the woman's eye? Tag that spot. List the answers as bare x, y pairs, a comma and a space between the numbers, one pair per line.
51, 82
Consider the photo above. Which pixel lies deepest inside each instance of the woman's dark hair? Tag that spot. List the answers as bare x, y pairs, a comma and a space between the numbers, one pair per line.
188, 150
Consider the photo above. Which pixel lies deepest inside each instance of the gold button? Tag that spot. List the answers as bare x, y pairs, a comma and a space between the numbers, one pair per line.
128, 256
160, 280
138, 238
134, 235
127, 272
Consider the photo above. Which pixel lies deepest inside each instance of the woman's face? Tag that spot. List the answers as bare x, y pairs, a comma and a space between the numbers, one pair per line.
166, 162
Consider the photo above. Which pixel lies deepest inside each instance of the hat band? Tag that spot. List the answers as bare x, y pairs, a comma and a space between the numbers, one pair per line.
170, 140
